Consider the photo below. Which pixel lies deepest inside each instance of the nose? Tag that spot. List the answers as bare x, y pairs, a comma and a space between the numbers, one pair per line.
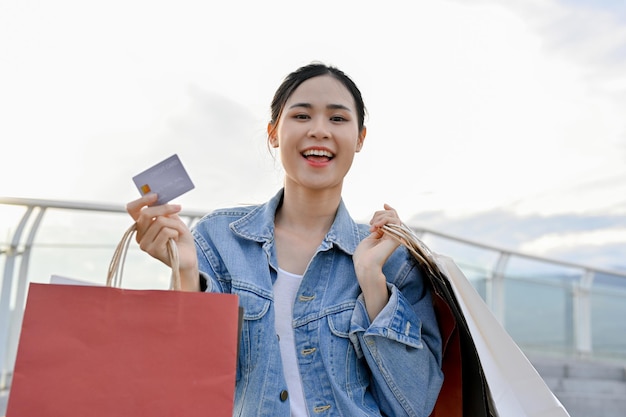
319, 128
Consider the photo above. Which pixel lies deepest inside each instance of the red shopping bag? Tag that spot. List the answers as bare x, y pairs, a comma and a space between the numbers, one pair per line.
103, 351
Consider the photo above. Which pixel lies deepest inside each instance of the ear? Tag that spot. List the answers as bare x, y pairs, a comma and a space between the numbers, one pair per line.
361, 139
271, 135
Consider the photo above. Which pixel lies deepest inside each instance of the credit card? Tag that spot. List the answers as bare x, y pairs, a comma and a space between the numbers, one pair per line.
168, 179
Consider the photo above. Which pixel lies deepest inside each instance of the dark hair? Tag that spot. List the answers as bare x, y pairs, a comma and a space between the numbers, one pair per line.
293, 81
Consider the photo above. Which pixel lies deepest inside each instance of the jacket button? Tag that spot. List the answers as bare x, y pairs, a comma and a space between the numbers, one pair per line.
284, 395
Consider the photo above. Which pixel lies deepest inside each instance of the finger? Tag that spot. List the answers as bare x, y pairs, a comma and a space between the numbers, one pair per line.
148, 215
164, 222
376, 248
157, 245
386, 216
134, 207
153, 212
158, 231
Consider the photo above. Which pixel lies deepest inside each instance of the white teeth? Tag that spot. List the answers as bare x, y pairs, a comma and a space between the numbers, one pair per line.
317, 152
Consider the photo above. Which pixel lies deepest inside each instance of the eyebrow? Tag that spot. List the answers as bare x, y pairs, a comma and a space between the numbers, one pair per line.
330, 106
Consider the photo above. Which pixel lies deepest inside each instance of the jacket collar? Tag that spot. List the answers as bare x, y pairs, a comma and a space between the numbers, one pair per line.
258, 225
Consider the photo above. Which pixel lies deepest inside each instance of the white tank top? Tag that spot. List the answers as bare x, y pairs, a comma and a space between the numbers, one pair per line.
285, 290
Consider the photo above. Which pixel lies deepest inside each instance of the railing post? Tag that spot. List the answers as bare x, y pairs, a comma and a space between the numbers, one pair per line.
495, 291
15, 322
5, 299
581, 294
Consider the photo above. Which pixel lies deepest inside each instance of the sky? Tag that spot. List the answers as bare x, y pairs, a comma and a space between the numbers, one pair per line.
498, 121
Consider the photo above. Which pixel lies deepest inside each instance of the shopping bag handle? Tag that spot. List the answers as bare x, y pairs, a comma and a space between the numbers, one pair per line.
404, 235
116, 267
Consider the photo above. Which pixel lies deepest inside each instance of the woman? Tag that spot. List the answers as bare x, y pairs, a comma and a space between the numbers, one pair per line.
338, 321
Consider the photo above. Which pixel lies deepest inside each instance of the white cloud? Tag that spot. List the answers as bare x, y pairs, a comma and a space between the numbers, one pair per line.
473, 105
561, 242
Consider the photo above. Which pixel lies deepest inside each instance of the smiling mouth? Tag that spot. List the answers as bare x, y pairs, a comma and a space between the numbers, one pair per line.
318, 155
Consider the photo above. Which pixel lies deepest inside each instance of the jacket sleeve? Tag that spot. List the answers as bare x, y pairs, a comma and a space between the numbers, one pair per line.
402, 347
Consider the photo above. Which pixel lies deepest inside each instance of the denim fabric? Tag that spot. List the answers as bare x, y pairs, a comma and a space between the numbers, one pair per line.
350, 366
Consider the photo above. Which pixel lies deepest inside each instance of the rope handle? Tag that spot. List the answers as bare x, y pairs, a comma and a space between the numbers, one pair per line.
116, 266
407, 237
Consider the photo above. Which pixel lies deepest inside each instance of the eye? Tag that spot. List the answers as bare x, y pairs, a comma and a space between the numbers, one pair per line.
301, 116
338, 119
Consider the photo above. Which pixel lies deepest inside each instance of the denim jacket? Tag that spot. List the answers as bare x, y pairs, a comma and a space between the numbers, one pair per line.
350, 366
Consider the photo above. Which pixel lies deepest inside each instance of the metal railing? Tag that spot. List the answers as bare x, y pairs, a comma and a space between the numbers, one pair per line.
546, 305
578, 308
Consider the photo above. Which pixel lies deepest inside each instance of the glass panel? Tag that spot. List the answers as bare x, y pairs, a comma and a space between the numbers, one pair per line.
476, 263
609, 281
82, 228
91, 265
538, 296
10, 217
542, 271
608, 324
477, 276
539, 316
80, 245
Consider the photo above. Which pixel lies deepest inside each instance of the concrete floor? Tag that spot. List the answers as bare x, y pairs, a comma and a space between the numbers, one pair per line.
585, 388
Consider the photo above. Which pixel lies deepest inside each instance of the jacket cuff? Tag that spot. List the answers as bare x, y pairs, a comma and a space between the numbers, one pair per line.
396, 321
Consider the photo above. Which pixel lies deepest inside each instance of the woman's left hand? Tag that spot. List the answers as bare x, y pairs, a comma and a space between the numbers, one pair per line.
369, 258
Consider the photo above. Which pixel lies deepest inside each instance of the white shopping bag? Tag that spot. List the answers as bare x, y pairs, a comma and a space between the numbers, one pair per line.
514, 387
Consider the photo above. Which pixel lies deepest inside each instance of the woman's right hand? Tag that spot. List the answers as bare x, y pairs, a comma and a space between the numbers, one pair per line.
155, 226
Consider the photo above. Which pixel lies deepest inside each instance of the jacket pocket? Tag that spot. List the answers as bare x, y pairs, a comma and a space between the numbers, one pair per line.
255, 327
348, 366
339, 323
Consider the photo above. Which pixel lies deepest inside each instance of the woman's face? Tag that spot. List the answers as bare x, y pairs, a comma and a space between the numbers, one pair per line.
317, 134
